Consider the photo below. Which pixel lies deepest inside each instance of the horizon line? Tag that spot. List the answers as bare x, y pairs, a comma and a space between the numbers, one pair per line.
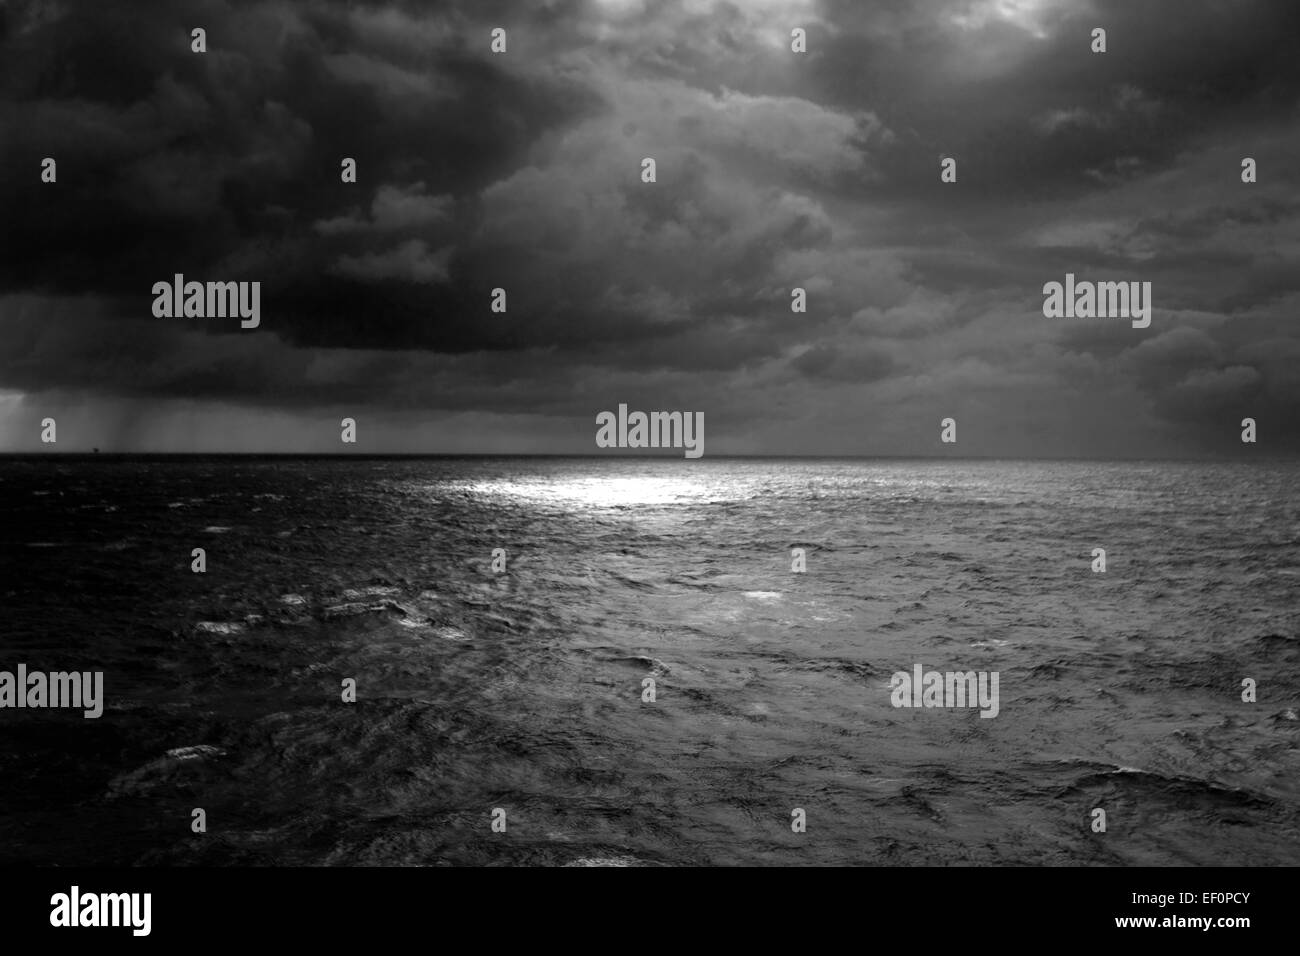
638, 457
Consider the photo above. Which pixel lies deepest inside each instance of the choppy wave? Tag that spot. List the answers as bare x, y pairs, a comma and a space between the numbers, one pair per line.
527, 690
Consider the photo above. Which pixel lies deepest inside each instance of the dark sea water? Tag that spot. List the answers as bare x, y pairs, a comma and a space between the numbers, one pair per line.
522, 690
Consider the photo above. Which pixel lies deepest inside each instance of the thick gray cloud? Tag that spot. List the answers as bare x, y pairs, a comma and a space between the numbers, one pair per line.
522, 171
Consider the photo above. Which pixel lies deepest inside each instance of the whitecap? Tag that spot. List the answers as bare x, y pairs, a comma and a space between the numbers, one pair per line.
604, 861
354, 594
360, 607
220, 627
195, 752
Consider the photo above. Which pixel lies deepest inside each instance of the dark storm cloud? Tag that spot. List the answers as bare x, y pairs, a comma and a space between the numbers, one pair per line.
172, 161
522, 171
1031, 110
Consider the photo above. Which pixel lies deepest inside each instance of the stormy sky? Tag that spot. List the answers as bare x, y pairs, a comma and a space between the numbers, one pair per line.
775, 170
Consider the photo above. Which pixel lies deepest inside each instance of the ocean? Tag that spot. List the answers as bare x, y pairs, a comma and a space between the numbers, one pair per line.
520, 689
